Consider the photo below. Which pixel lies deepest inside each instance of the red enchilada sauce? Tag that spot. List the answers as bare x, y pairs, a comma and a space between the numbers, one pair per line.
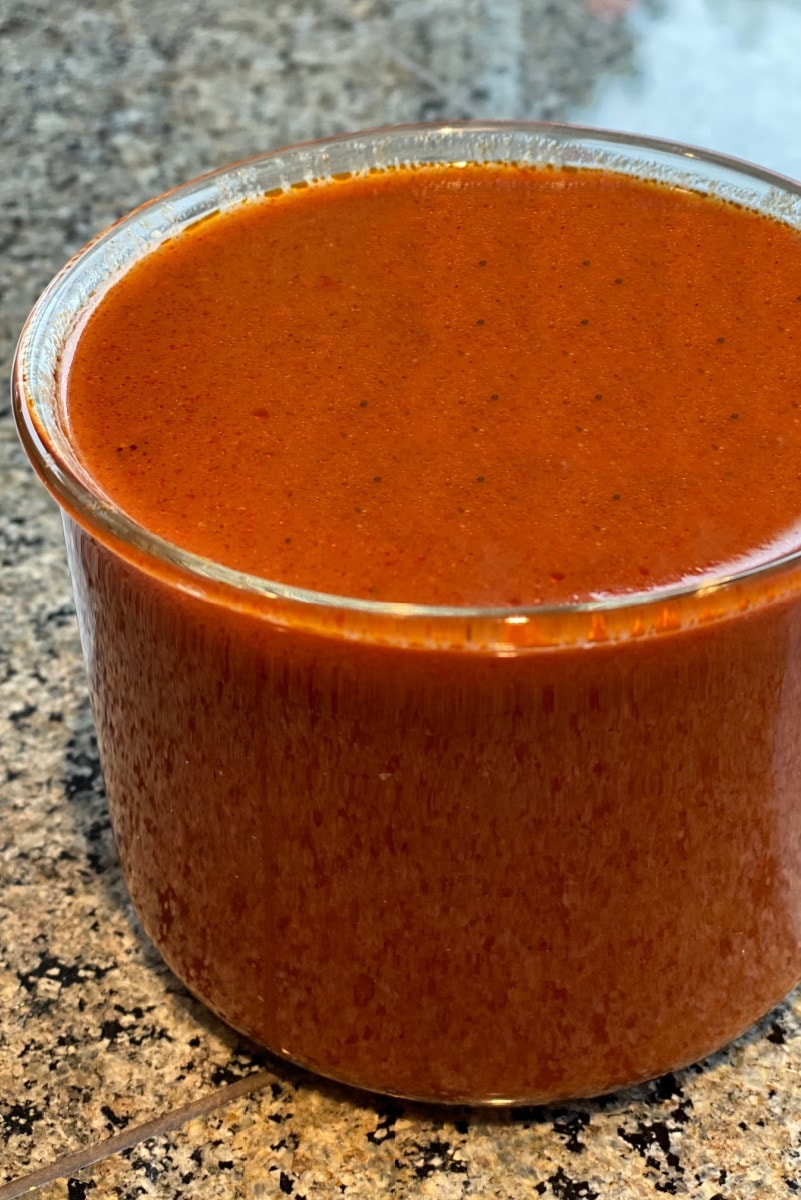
443, 871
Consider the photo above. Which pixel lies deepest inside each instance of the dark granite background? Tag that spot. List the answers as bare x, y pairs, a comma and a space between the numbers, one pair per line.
113, 1082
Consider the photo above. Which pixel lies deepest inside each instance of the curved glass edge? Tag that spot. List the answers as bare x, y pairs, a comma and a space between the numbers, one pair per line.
43, 425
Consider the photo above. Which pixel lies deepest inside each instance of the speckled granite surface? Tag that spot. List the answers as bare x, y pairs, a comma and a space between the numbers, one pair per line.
113, 1082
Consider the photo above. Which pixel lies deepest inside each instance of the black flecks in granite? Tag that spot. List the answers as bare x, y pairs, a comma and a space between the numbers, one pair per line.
289, 1142
432, 1157
20, 1118
114, 1120
652, 1141
19, 716
150, 1169
776, 1034
667, 1090
570, 1125
63, 974
78, 1189
133, 1026
565, 1188
666, 1087
241, 1064
385, 1125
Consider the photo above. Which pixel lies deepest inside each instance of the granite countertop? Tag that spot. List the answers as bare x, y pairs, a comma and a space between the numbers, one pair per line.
113, 1081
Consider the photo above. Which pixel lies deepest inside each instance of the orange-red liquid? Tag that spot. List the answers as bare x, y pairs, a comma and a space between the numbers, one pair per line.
456, 386
437, 869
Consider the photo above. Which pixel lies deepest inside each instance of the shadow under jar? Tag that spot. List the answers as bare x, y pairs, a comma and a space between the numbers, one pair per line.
476, 853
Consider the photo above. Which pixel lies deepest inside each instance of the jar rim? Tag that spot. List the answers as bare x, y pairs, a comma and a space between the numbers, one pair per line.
72, 294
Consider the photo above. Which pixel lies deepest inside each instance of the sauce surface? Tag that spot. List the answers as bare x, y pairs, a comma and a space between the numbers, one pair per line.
457, 385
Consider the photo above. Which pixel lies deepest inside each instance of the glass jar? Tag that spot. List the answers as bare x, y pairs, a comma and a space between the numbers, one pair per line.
469, 855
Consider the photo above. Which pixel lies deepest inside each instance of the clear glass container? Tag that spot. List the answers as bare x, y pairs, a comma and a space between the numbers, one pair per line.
469, 855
